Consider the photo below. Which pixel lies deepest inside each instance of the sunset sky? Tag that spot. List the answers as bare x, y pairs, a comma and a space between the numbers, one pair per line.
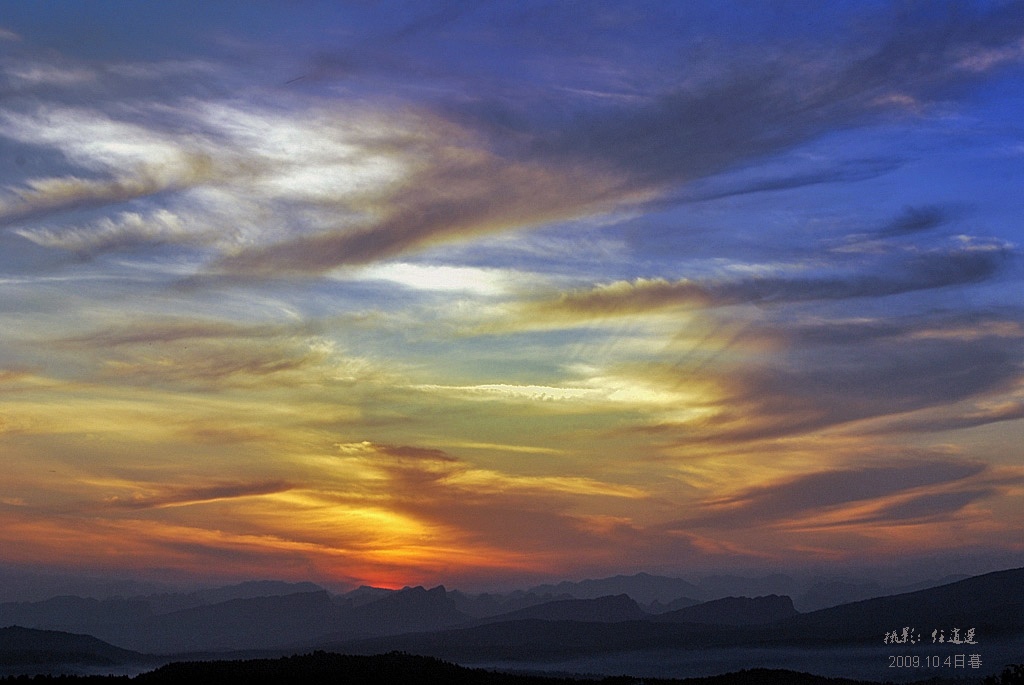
409, 293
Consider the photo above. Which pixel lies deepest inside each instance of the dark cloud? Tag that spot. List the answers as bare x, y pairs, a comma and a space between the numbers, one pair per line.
916, 220
904, 273
1005, 323
717, 188
930, 506
822, 491
831, 388
761, 107
950, 421
415, 453
927, 373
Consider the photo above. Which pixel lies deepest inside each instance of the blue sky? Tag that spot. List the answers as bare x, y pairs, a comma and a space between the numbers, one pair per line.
401, 293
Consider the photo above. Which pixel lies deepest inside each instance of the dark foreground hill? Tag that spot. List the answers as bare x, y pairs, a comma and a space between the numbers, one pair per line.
992, 603
323, 668
26, 650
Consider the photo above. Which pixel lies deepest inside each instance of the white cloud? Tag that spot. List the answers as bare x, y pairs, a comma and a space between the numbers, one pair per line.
312, 156
41, 74
128, 228
440, 278
505, 391
93, 140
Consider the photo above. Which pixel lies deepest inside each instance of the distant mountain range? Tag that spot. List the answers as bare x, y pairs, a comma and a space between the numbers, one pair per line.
656, 593
545, 624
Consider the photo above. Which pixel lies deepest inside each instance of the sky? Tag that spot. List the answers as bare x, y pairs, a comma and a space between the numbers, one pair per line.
407, 293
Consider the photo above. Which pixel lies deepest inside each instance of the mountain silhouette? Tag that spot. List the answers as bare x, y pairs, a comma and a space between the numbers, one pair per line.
364, 594
734, 611
610, 609
725, 585
409, 610
487, 604
237, 624
642, 587
39, 649
436, 622
658, 607
76, 614
993, 604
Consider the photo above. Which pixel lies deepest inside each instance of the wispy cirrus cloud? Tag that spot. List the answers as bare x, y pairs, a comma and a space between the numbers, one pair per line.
446, 175
164, 497
210, 353
459, 194
126, 231
169, 330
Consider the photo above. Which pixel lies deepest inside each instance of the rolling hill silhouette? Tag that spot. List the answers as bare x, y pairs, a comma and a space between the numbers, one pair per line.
26, 648
993, 604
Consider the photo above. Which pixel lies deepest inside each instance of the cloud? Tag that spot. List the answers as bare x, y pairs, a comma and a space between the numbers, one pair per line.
907, 272
916, 220
129, 230
218, 364
770, 99
126, 161
209, 353
170, 329
43, 197
236, 174
487, 282
955, 418
481, 506
867, 376
807, 495
185, 496
927, 507
461, 193
43, 74
502, 176
439, 173
512, 392
719, 187
436, 465
925, 375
